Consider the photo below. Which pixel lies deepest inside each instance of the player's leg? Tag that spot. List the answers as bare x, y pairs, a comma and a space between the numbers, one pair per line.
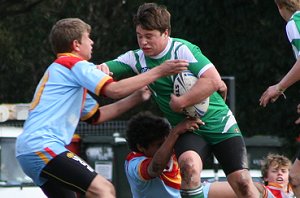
190, 150
219, 190
224, 190
68, 171
295, 176
232, 156
101, 187
54, 189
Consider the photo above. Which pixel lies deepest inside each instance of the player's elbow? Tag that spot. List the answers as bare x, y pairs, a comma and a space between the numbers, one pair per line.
156, 169
216, 84
115, 92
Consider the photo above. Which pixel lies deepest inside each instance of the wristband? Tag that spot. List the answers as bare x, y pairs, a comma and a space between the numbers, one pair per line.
280, 91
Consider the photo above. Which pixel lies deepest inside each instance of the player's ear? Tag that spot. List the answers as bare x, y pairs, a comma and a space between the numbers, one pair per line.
75, 45
165, 34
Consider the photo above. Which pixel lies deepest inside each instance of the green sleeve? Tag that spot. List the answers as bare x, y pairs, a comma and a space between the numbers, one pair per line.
202, 60
120, 70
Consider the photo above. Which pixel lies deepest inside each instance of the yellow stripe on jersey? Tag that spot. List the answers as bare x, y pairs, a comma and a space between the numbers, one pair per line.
42, 156
92, 112
39, 92
101, 84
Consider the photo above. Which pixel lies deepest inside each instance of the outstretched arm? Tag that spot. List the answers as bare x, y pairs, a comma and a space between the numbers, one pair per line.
111, 111
126, 86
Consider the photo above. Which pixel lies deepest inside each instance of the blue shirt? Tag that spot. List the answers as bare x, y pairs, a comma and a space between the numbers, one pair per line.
59, 102
167, 185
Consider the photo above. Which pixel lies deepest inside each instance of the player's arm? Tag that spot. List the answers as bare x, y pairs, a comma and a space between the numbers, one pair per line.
113, 110
207, 84
274, 91
164, 153
122, 88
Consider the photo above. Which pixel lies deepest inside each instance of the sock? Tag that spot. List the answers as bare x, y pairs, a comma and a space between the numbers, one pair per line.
192, 193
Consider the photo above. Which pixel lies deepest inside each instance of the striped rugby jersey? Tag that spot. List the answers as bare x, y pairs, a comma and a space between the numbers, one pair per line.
59, 102
293, 33
167, 185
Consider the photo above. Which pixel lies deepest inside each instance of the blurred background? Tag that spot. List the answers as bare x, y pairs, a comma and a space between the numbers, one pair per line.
245, 39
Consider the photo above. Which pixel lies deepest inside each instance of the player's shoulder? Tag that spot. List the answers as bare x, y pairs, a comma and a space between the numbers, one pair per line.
180, 41
131, 54
134, 155
296, 16
294, 21
68, 61
184, 45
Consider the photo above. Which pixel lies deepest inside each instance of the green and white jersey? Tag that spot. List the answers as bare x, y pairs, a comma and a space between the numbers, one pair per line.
219, 120
293, 32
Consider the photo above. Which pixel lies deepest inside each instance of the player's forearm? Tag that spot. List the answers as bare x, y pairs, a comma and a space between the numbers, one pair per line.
111, 111
291, 77
163, 155
127, 86
203, 88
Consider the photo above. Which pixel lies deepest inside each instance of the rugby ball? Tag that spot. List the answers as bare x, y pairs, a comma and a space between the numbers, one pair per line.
182, 83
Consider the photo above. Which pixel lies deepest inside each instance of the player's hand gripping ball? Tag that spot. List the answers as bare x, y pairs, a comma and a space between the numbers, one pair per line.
182, 83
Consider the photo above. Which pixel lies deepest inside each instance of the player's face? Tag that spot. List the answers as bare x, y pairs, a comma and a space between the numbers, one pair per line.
85, 46
152, 42
153, 147
278, 174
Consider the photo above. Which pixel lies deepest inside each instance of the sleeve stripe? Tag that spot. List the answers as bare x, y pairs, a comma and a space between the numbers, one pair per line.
102, 83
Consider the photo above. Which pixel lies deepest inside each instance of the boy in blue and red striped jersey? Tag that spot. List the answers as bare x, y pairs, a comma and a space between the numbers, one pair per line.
152, 168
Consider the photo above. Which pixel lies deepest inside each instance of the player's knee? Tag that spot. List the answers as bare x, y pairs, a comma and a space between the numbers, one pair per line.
243, 186
242, 181
110, 188
190, 172
101, 187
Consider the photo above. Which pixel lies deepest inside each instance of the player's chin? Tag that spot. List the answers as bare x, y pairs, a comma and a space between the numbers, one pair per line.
148, 52
89, 56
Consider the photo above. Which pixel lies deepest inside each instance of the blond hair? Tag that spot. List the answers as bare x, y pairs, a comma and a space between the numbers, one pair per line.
275, 160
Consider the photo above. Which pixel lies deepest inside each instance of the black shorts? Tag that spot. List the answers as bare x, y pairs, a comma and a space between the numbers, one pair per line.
231, 153
67, 173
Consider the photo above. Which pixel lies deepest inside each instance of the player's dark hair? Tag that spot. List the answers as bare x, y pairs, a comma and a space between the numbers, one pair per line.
151, 16
65, 31
144, 128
